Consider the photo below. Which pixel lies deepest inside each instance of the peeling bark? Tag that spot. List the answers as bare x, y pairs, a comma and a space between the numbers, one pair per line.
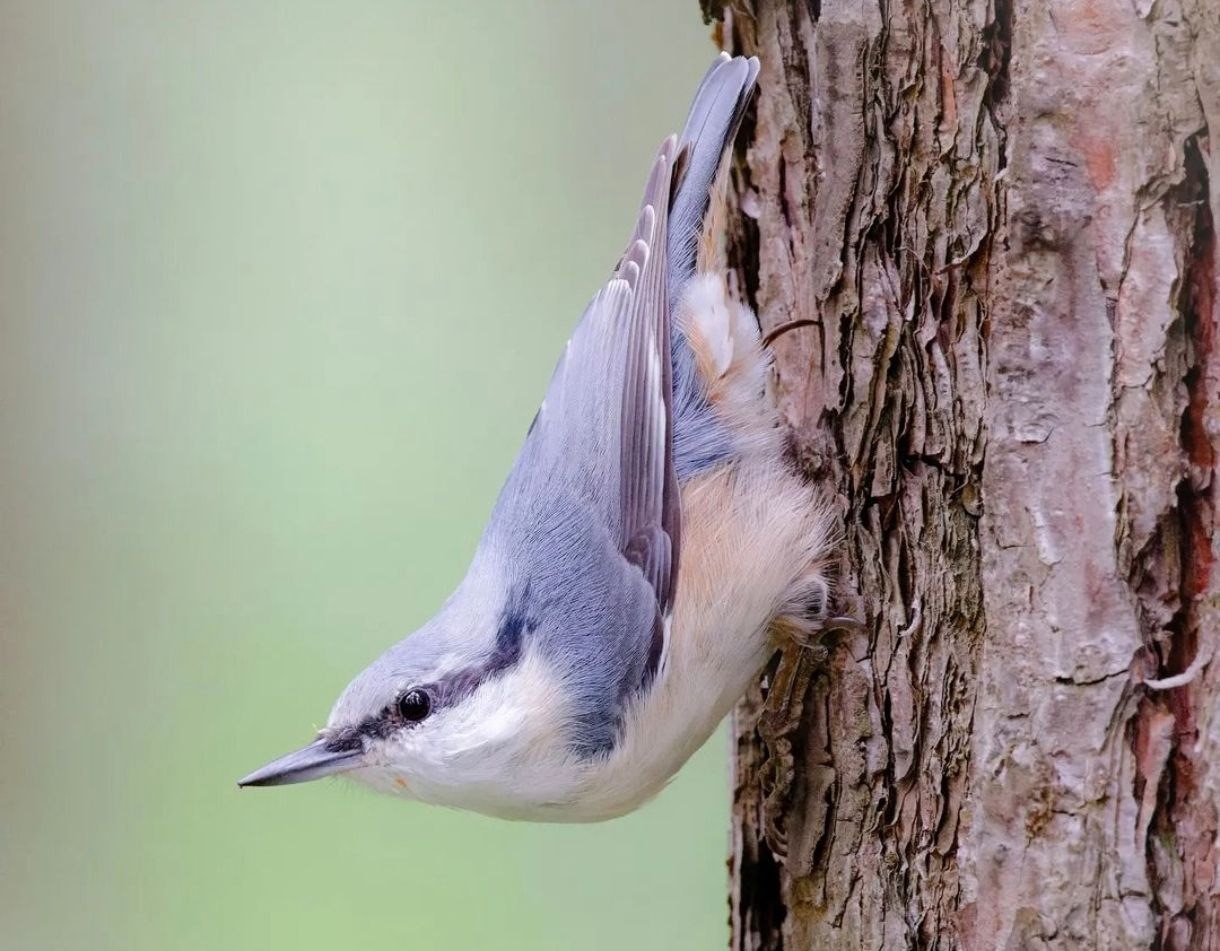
999, 216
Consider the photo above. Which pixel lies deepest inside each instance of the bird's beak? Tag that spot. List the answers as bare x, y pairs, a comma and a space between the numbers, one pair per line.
311, 762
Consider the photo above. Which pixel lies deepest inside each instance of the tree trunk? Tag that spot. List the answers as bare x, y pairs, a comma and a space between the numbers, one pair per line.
999, 217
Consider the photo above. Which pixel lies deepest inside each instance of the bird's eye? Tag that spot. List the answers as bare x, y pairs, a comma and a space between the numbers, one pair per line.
414, 705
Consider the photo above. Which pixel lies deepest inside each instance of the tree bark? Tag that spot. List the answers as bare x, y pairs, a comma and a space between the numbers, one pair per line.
999, 215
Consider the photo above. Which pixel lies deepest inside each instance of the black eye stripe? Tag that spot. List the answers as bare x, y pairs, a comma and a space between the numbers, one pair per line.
514, 627
348, 739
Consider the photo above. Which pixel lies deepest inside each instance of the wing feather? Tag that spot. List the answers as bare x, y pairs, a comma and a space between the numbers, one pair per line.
589, 521
605, 429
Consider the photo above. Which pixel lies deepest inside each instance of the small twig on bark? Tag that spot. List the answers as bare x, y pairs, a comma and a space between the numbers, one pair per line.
775, 333
1202, 659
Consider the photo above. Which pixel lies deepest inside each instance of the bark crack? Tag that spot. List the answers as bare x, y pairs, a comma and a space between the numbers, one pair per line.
1182, 824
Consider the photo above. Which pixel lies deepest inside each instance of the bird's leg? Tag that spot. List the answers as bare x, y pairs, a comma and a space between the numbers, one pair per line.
808, 625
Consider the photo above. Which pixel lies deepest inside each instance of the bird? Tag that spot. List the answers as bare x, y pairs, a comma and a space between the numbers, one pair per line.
651, 549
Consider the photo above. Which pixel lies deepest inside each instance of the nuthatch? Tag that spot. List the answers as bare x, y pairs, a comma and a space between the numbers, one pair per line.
649, 546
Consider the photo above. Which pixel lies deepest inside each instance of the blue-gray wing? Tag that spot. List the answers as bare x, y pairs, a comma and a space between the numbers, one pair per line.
604, 435
711, 125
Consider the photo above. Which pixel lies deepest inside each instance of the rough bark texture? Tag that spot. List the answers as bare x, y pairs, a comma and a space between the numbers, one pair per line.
999, 216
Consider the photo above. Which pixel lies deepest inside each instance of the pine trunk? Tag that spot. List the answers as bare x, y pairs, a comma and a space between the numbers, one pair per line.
998, 215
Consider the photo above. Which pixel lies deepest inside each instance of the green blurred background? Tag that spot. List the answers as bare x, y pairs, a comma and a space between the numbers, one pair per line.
281, 286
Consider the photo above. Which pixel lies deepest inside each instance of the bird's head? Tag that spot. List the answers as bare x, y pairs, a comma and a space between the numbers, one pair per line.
461, 713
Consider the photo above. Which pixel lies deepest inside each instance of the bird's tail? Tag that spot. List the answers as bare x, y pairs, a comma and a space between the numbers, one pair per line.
714, 118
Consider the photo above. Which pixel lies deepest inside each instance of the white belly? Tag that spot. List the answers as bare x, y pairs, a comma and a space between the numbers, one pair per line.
753, 539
